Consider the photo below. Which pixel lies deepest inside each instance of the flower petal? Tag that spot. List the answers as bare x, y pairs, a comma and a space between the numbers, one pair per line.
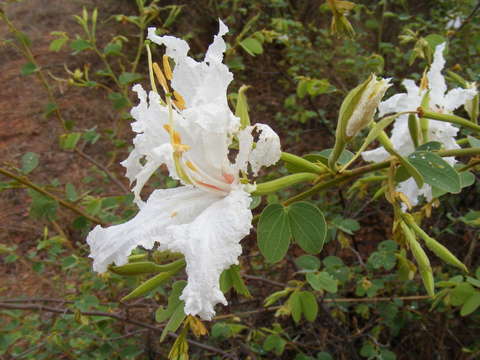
436, 81
210, 244
267, 150
163, 208
458, 97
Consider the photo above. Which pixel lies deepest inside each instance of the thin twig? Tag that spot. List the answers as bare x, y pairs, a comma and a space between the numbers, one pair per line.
68, 205
103, 168
157, 329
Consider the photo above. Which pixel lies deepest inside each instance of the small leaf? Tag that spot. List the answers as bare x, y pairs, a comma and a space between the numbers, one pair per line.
28, 69
69, 141
71, 192
273, 233
252, 46
274, 343
295, 305
322, 281
308, 226
472, 304
309, 305
79, 45
118, 100
29, 162
307, 262
128, 78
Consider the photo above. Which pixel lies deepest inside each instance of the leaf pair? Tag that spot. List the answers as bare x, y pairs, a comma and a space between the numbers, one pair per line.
278, 224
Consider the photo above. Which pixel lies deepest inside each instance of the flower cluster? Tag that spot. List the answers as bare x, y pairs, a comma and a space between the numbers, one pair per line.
190, 131
439, 101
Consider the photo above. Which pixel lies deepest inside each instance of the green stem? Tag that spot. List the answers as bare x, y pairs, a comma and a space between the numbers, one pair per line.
286, 181
301, 163
454, 119
68, 205
459, 152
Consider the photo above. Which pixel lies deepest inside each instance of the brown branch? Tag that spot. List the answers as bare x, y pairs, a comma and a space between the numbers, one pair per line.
68, 205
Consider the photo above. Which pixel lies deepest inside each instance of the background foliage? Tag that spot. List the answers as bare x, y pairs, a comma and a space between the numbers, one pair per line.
67, 69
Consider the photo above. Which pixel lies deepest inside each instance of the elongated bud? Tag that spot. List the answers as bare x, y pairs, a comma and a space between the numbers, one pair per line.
422, 259
363, 105
472, 105
438, 249
149, 285
356, 112
424, 121
283, 182
414, 129
241, 110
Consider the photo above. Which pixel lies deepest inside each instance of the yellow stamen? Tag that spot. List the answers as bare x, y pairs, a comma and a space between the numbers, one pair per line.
179, 100
173, 214
424, 81
167, 128
160, 77
167, 68
177, 140
190, 165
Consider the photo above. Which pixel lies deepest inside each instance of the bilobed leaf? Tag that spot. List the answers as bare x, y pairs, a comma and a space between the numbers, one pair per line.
436, 171
273, 233
322, 281
308, 226
29, 162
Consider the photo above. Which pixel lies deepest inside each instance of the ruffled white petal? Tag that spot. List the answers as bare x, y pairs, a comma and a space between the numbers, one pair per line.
267, 150
163, 208
436, 82
412, 192
458, 97
210, 244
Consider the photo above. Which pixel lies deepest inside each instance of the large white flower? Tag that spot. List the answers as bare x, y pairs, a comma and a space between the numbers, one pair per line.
443, 132
208, 215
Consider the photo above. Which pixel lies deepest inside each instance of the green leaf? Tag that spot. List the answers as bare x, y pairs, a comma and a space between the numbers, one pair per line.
175, 321
29, 162
295, 305
28, 69
274, 343
429, 146
322, 281
79, 45
472, 304
308, 226
252, 46
232, 278
128, 78
461, 293
309, 305
162, 313
57, 44
348, 226
42, 206
436, 171
71, 192
434, 40
474, 142
118, 100
307, 262
324, 356
113, 48
69, 141
273, 233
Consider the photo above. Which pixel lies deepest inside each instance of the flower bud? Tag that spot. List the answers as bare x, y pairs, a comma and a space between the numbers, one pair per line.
356, 112
359, 106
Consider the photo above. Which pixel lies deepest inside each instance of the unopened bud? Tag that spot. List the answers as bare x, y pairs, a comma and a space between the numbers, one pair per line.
359, 106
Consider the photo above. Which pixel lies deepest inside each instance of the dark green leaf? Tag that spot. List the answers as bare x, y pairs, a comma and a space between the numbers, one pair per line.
307, 262
436, 171
273, 233
308, 226
28, 69
128, 78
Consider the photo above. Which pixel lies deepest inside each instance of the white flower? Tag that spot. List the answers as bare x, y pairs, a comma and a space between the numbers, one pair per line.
208, 215
443, 132
454, 23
